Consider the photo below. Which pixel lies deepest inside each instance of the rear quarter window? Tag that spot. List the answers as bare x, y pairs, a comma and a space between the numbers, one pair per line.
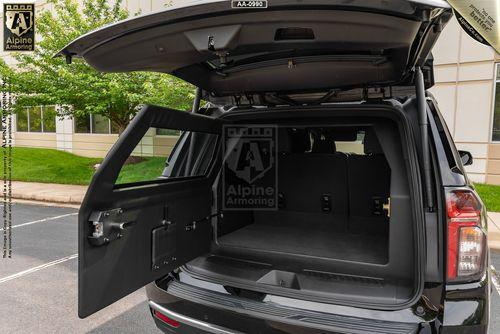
356, 147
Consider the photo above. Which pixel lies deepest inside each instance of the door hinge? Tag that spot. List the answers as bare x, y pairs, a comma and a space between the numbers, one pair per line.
107, 226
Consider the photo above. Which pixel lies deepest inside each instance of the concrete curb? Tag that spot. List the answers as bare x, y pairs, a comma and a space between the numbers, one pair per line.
48, 192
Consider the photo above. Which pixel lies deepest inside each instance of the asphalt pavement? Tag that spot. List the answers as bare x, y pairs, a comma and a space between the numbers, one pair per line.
38, 286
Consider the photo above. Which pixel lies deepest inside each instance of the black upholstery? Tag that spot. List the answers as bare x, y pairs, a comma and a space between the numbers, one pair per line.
371, 144
350, 181
304, 178
284, 141
369, 178
300, 141
323, 145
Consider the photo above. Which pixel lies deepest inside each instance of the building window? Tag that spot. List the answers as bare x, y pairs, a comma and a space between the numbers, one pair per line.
22, 120
49, 118
37, 119
82, 124
100, 124
495, 134
94, 124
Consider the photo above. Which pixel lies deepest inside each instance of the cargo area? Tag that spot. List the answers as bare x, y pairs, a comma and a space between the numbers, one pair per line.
343, 230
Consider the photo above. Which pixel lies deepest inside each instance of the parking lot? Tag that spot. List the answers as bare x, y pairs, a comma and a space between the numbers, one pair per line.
38, 287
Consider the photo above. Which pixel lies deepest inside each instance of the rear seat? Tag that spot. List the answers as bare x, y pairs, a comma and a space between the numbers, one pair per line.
369, 182
322, 186
313, 181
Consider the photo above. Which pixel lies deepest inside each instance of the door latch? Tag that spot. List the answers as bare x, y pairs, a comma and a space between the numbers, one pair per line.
326, 203
108, 226
382, 206
192, 226
387, 207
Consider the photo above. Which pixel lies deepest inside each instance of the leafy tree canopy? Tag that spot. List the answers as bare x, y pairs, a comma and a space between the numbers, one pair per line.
40, 79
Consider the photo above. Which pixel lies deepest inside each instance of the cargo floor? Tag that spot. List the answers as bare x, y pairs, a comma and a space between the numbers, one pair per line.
325, 242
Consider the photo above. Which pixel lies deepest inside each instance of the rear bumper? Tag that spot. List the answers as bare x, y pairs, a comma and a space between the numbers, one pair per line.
188, 323
201, 310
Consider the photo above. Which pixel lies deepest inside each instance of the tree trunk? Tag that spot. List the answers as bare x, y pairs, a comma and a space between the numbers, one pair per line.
120, 123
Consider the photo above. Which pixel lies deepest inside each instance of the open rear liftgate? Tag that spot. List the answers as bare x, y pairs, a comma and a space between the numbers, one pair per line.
154, 221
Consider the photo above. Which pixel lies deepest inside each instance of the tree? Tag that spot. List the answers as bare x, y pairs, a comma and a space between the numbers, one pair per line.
79, 90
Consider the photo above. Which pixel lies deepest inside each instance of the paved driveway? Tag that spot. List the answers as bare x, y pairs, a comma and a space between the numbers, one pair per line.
38, 287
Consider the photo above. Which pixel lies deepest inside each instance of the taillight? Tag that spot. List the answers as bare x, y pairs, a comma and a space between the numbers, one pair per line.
466, 238
169, 321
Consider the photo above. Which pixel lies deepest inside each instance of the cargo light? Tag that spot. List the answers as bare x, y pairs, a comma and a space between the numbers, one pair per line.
466, 238
169, 321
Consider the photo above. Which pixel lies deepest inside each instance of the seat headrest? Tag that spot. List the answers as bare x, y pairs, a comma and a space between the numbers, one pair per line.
300, 140
343, 134
324, 145
284, 144
293, 140
371, 143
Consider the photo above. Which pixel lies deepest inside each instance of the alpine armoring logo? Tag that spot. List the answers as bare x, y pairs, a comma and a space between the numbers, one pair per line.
19, 27
250, 167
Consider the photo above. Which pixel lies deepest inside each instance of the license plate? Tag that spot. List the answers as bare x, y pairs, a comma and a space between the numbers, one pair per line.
249, 4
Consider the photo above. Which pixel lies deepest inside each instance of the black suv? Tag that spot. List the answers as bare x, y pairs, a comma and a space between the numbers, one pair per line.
358, 217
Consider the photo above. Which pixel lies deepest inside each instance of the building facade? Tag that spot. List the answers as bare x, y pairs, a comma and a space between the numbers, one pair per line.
90, 136
467, 75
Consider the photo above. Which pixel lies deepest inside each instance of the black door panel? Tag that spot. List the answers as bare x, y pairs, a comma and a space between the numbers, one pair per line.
119, 224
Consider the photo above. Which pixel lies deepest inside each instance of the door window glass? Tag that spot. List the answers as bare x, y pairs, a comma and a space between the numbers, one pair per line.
160, 156
356, 146
167, 132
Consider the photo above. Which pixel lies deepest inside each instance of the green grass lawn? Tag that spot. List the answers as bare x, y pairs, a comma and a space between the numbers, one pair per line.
53, 166
490, 195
